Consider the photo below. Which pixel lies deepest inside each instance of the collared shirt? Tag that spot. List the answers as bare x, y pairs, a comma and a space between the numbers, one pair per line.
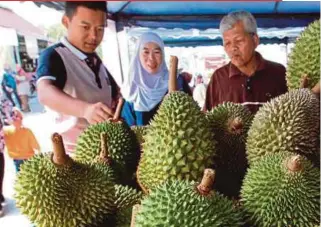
228, 83
52, 67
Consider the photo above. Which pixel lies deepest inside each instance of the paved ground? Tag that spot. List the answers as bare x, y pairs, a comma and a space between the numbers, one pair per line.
38, 122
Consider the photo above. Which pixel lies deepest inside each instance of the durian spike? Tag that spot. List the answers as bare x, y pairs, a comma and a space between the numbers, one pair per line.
104, 154
135, 210
294, 163
235, 125
60, 157
118, 109
304, 82
172, 82
205, 187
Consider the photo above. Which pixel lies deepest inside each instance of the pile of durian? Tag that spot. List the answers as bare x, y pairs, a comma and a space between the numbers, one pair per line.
188, 168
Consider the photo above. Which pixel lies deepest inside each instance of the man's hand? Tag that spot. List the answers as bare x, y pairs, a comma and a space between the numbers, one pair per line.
98, 112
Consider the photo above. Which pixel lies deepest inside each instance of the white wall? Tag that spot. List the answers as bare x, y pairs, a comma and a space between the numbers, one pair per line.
111, 57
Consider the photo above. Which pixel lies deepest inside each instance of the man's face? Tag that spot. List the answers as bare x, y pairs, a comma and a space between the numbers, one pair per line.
239, 45
85, 30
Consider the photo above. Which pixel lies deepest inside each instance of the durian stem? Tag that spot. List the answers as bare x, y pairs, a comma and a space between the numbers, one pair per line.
118, 109
172, 82
59, 154
304, 82
134, 213
207, 182
104, 154
235, 125
294, 163
316, 89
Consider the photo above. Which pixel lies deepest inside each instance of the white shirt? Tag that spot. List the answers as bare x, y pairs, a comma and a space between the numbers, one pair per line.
199, 94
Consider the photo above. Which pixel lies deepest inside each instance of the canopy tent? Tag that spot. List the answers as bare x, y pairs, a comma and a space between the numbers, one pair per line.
210, 37
204, 14
170, 18
194, 23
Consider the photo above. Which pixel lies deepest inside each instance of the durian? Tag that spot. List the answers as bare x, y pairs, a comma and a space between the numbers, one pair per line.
53, 190
179, 203
305, 57
126, 198
282, 189
122, 147
290, 122
139, 131
178, 143
230, 123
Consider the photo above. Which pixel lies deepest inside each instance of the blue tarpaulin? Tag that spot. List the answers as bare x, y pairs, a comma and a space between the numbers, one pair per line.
212, 37
206, 15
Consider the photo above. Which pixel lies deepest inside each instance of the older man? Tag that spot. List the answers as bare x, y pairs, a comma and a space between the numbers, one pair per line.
248, 78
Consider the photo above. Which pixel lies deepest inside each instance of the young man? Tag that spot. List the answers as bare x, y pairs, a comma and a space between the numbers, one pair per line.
72, 80
248, 78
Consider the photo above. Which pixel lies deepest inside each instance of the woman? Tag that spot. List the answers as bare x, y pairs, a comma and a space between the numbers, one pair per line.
147, 82
23, 88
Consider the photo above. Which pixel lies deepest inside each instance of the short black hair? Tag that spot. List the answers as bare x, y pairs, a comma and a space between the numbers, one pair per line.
71, 6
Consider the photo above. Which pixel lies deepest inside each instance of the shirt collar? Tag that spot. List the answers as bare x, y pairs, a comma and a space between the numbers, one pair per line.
235, 71
73, 49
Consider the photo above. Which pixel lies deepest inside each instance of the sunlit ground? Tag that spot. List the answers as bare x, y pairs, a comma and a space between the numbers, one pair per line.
39, 123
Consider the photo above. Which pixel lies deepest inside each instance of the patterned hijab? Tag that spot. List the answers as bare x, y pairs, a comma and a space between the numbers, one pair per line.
143, 89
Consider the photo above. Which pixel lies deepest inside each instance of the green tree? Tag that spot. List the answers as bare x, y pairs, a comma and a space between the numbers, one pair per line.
56, 32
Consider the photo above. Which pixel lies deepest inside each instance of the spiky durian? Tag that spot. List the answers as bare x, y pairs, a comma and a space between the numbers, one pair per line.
182, 203
121, 143
290, 122
305, 57
282, 189
126, 198
139, 131
230, 123
178, 143
53, 190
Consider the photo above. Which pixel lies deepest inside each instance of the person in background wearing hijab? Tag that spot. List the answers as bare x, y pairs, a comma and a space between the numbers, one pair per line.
147, 82
199, 93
